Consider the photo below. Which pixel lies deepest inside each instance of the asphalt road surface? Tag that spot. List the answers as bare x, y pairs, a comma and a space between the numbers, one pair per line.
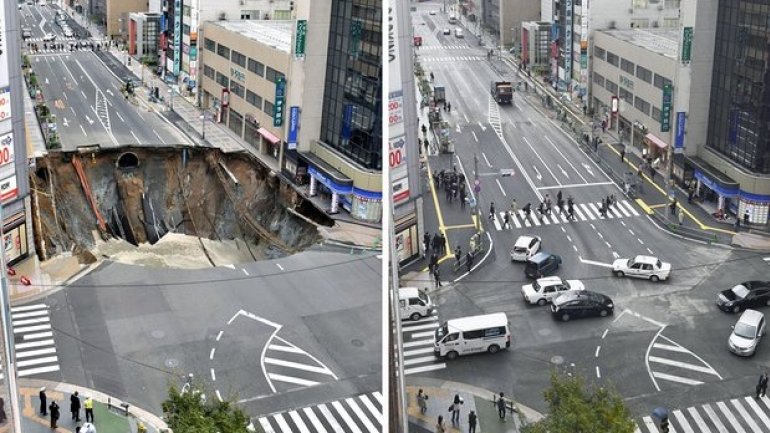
664, 339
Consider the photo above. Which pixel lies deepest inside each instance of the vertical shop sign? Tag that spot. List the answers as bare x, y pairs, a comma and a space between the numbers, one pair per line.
299, 44
665, 112
280, 96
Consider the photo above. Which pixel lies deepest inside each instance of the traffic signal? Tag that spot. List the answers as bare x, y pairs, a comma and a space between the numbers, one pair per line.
664, 424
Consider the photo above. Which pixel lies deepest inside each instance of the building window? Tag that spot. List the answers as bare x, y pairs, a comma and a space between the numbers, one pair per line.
598, 79
599, 53
271, 74
268, 108
673, 4
208, 71
209, 45
642, 105
256, 67
644, 73
612, 59
626, 66
660, 81
237, 89
640, 23
254, 99
223, 51
656, 113
222, 80
611, 86
671, 23
238, 58
626, 95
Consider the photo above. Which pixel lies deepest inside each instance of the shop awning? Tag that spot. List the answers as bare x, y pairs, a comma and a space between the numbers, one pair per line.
712, 178
332, 178
656, 141
269, 136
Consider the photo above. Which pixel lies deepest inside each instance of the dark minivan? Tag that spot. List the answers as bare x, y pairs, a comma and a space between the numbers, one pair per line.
542, 264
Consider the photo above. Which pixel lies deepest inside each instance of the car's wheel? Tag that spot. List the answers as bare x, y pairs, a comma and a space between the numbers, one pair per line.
415, 316
654, 278
619, 273
736, 309
493, 349
452, 355
565, 317
604, 313
541, 302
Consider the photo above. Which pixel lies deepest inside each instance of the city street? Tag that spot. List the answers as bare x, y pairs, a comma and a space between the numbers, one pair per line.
664, 338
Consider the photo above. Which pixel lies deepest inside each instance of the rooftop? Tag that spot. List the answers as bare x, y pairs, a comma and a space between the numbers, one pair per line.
661, 41
276, 34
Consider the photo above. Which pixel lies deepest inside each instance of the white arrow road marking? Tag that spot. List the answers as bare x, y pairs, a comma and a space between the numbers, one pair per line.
457, 128
65, 122
501, 187
486, 160
537, 173
483, 128
46, 80
474, 136
588, 169
563, 171
615, 255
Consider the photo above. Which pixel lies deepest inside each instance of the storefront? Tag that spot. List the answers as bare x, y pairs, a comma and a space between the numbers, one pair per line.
655, 149
755, 205
407, 240
15, 238
271, 144
713, 191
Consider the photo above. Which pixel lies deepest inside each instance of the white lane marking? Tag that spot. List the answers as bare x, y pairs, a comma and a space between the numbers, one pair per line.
591, 262
31, 329
714, 418
37, 361
426, 342
31, 344
699, 420
266, 425
630, 207
587, 211
496, 222
755, 407
419, 360
38, 370
213, 376
298, 366
220, 335
422, 320
466, 118
650, 251
596, 355
361, 415
730, 417
576, 185
676, 379
159, 137
120, 117
486, 159
290, 349
418, 351
282, 424
598, 373
298, 422
714, 372
345, 417
219, 396
547, 167
474, 136
501, 187
680, 364
38, 335
369, 405
84, 94
604, 334
650, 424
423, 369
135, 137
314, 420
670, 347
84, 130
683, 421
433, 325
423, 334
28, 353
245, 272
330, 418
289, 379
279, 266
211, 355
640, 241
30, 321
742, 410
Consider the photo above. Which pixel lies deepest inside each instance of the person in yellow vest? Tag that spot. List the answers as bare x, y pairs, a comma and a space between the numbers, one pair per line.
89, 406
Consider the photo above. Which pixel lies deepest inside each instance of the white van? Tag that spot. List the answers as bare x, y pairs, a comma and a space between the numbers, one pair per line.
487, 333
458, 32
414, 303
452, 18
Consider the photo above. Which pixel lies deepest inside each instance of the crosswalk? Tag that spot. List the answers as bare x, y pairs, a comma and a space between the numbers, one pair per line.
737, 415
287, 366
358, 414
33, 340
444, 47
58, 50
418, 345
671, 362
582, 212
453, 59
58, 39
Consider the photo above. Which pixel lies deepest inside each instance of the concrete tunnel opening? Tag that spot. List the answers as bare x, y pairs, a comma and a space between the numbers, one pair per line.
171, 207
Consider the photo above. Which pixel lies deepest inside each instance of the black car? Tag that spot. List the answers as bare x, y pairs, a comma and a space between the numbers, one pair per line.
748, 294
576, 304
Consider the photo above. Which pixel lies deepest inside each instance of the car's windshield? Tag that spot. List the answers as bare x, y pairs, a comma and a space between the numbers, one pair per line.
745, 330
441, 331
740, 291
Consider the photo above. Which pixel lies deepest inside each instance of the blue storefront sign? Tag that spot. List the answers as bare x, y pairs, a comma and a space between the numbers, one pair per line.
329, 183
293, 127
681, 120
716, 186
347, 120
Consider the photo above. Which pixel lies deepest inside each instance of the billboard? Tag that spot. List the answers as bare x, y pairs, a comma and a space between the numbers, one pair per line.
293, 127
6, 148
8, 189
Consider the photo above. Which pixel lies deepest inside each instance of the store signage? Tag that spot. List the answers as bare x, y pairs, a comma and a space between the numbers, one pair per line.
293, 127
568, 41
280, 96
665, 112
687, 44
6, 148
4, 72
15, 243
225, 97
681, 120
400, 190
614, 105
397, 156
177, 35
299, 43
8, 188
347, 120
5, 103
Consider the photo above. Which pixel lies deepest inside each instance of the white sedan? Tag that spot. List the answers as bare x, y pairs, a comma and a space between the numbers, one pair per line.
543, 290
447, 31
642, 267
432, 12
525, 247
49, 37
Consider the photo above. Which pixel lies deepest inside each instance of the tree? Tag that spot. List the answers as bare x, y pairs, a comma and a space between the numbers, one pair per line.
189, 412
575, 406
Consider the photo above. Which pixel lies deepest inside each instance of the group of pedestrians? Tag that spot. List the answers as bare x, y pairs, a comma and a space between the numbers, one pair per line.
435, 247
75, 406
456, 406
453, 183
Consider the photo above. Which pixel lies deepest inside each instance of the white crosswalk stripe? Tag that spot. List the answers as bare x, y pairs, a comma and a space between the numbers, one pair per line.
359, 414
418, 345
288, 365
582, 212
35, 350
737, 415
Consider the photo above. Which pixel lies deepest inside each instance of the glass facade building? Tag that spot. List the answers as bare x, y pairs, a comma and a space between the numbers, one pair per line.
739, 118
351, 122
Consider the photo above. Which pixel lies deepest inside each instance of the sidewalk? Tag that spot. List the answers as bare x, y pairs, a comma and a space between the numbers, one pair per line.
441, 396
106, 420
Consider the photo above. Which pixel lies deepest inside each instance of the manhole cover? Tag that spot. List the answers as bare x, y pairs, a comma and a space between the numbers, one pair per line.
557, 360
157, 333
357, 343
171, 363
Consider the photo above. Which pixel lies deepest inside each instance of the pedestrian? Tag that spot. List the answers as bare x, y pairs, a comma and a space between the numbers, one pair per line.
603, 209
43, 402
507, 220
89, 405
449, 106
604, 126
458, 254
690, 193
433, 261
54, 408
762, 385
491, 210
75, 406
513, 206
431, 77
440, 427
623, 154
462, 198
437, 276
426, 242
547, 204
469, 260
436, 243
570, 212
746, 218
737, 224
681, 218
672, 207
527, 210
442, 244
541, 209
456, 409
472, 422
501, 406
448, 194
422, 401
558, 198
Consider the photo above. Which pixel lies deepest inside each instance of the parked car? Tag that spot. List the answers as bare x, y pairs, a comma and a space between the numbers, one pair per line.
746, 333
745, 295
525, 247
459, 32
576, 304
447, 31
642, 267
432, 12
544, 290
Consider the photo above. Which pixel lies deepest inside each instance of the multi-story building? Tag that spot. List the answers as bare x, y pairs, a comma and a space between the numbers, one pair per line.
504, 18
536, 45
113, 14
144, 36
